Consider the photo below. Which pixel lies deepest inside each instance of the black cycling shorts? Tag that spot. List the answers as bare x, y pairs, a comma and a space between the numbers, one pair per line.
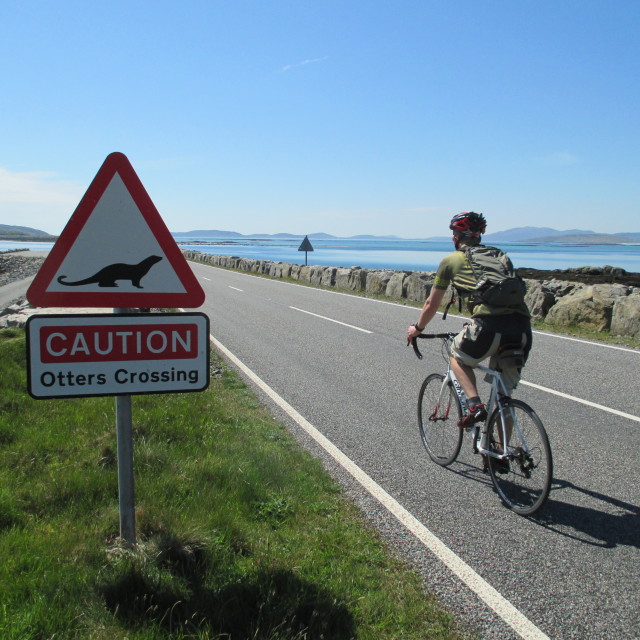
483, 337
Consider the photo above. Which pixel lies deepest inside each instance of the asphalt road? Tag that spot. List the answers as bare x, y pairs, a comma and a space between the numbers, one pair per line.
571, 571
11, 292
339, 364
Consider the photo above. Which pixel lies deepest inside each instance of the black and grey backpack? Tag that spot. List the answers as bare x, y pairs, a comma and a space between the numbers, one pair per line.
498, 283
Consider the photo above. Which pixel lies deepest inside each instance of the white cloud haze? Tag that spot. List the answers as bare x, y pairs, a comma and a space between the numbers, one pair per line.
303, 63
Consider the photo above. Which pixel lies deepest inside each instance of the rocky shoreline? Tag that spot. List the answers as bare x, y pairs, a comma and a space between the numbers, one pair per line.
602, 299
17, 267
584, 275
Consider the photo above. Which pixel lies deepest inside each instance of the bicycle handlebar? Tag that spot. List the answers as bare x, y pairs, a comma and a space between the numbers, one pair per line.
426, 336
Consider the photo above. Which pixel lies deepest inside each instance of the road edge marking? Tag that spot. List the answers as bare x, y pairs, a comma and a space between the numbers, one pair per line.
476, 583
588, 403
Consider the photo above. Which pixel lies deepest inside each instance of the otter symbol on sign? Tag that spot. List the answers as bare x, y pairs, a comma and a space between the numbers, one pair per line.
108, 275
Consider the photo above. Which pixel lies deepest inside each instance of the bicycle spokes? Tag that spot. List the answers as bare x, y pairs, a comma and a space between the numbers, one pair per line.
438, 413
522, 478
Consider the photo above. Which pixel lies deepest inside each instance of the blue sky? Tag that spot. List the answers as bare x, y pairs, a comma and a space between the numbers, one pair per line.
341, 116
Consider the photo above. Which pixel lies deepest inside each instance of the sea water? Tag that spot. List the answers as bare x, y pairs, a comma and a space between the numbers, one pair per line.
396, 254
415, 255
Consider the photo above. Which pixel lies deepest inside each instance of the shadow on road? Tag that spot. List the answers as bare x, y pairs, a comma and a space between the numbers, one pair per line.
589, 517
601, 520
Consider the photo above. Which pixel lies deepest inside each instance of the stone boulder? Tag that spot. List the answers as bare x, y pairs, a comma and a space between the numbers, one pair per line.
353, 279
377, 282
395, 286
625, 319
328, 278
249, 264
417, 286
315, 274
559, 288
279, 270
539, 298
590, 306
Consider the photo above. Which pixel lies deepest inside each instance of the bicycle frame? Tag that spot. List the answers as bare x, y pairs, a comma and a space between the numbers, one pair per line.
497, 395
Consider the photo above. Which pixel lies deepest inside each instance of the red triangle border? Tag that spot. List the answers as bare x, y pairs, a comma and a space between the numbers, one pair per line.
37, 294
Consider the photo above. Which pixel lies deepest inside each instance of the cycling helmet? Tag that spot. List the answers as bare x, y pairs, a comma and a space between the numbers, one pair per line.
468, 224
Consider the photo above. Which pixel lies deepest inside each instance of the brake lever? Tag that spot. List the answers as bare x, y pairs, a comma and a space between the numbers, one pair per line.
414, 344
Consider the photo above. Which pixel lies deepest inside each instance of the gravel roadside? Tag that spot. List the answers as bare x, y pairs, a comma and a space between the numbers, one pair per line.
17, 266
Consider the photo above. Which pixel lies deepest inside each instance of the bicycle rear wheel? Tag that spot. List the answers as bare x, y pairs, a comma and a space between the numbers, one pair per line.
438, 414
523, 480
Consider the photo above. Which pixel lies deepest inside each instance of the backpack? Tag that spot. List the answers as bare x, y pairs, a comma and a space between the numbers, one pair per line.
498, 283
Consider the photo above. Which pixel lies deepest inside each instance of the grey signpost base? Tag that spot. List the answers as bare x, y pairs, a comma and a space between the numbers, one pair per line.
126, 493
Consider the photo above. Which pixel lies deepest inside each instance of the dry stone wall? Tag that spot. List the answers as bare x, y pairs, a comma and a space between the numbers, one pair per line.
604, 307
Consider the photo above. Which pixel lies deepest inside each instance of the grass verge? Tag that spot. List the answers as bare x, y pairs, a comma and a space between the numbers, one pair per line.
581, 331
242, 535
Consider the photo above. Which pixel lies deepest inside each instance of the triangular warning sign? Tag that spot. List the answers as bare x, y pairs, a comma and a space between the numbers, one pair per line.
115, 251
306, 245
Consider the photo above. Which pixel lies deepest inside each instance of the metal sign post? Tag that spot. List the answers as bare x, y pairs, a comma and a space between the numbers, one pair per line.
126, 491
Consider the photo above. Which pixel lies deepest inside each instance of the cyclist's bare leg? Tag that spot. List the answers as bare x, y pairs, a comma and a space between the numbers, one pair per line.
508, 418
466, 377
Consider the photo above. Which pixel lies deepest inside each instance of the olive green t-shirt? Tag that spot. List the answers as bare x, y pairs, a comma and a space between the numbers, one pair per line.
455, 269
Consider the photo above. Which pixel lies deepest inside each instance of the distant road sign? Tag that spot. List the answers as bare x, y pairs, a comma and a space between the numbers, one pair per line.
117, 354
116, 251
306, 245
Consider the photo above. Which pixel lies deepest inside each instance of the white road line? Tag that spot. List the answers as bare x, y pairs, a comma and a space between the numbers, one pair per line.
599, 344
496, 601
344, 324
209, 279
622, 414
235, 288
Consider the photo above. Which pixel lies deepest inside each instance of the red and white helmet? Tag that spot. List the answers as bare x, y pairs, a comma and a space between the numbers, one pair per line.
468, 224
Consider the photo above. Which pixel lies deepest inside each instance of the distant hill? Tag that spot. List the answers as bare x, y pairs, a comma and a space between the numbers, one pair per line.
569, 236
23, 234
517, 234
522, 234
592, 238
367, 237
631, 237
211, 233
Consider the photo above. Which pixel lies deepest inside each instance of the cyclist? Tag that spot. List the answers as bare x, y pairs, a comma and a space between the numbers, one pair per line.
490, 326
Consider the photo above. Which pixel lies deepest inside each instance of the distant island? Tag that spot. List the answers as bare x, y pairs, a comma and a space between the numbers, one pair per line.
214, 233
572, 236
543, 235
12, 233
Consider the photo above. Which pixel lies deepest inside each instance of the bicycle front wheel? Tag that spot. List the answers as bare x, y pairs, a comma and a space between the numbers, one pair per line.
438, 414
523, 479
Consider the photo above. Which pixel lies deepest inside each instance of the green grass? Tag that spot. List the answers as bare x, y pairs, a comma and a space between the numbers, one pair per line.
241, 534
580, 331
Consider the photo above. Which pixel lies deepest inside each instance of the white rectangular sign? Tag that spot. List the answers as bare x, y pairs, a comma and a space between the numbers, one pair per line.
117, 354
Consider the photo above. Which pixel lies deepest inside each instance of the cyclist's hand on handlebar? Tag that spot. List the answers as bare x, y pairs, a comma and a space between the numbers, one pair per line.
412, 333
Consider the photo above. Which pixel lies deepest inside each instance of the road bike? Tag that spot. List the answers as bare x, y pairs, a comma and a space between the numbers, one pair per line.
521, 471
